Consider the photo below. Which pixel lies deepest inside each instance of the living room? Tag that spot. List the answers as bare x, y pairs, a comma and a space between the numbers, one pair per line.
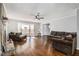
43, 24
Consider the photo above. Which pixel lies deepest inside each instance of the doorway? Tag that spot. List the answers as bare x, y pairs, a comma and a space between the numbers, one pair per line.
26, 29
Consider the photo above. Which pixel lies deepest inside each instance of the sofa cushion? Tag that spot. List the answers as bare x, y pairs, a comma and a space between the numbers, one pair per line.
60, 33
53, 33
57, 37
69, 37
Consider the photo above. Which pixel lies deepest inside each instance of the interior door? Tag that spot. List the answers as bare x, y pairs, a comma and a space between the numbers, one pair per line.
46, 29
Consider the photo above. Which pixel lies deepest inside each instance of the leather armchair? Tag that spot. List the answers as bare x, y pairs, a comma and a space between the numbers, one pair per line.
17, 37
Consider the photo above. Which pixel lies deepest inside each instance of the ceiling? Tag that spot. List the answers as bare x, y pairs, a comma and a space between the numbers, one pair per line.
27, 11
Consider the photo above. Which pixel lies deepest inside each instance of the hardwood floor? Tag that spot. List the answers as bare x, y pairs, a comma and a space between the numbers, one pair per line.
39, 52
36, 47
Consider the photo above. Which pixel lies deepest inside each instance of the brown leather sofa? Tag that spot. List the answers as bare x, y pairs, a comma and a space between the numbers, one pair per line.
64, 41
17, 37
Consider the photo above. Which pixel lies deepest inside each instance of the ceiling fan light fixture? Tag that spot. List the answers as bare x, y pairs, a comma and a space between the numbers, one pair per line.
38, 16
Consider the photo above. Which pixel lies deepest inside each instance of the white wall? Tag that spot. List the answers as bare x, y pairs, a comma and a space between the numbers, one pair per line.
67, 24
12, 26
78, 29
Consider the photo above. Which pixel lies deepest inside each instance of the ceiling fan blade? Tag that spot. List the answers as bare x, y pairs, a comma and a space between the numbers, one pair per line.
41, 17
36, 17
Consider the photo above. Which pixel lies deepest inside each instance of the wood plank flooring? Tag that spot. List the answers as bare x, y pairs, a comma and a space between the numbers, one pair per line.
36, 47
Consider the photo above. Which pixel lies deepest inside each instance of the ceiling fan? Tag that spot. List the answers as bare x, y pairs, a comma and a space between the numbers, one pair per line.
38, 17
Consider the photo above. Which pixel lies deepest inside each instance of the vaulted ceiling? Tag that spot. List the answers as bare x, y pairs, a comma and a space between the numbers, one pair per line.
27, 11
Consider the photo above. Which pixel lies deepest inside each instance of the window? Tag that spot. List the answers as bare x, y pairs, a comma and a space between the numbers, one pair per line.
26, 29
